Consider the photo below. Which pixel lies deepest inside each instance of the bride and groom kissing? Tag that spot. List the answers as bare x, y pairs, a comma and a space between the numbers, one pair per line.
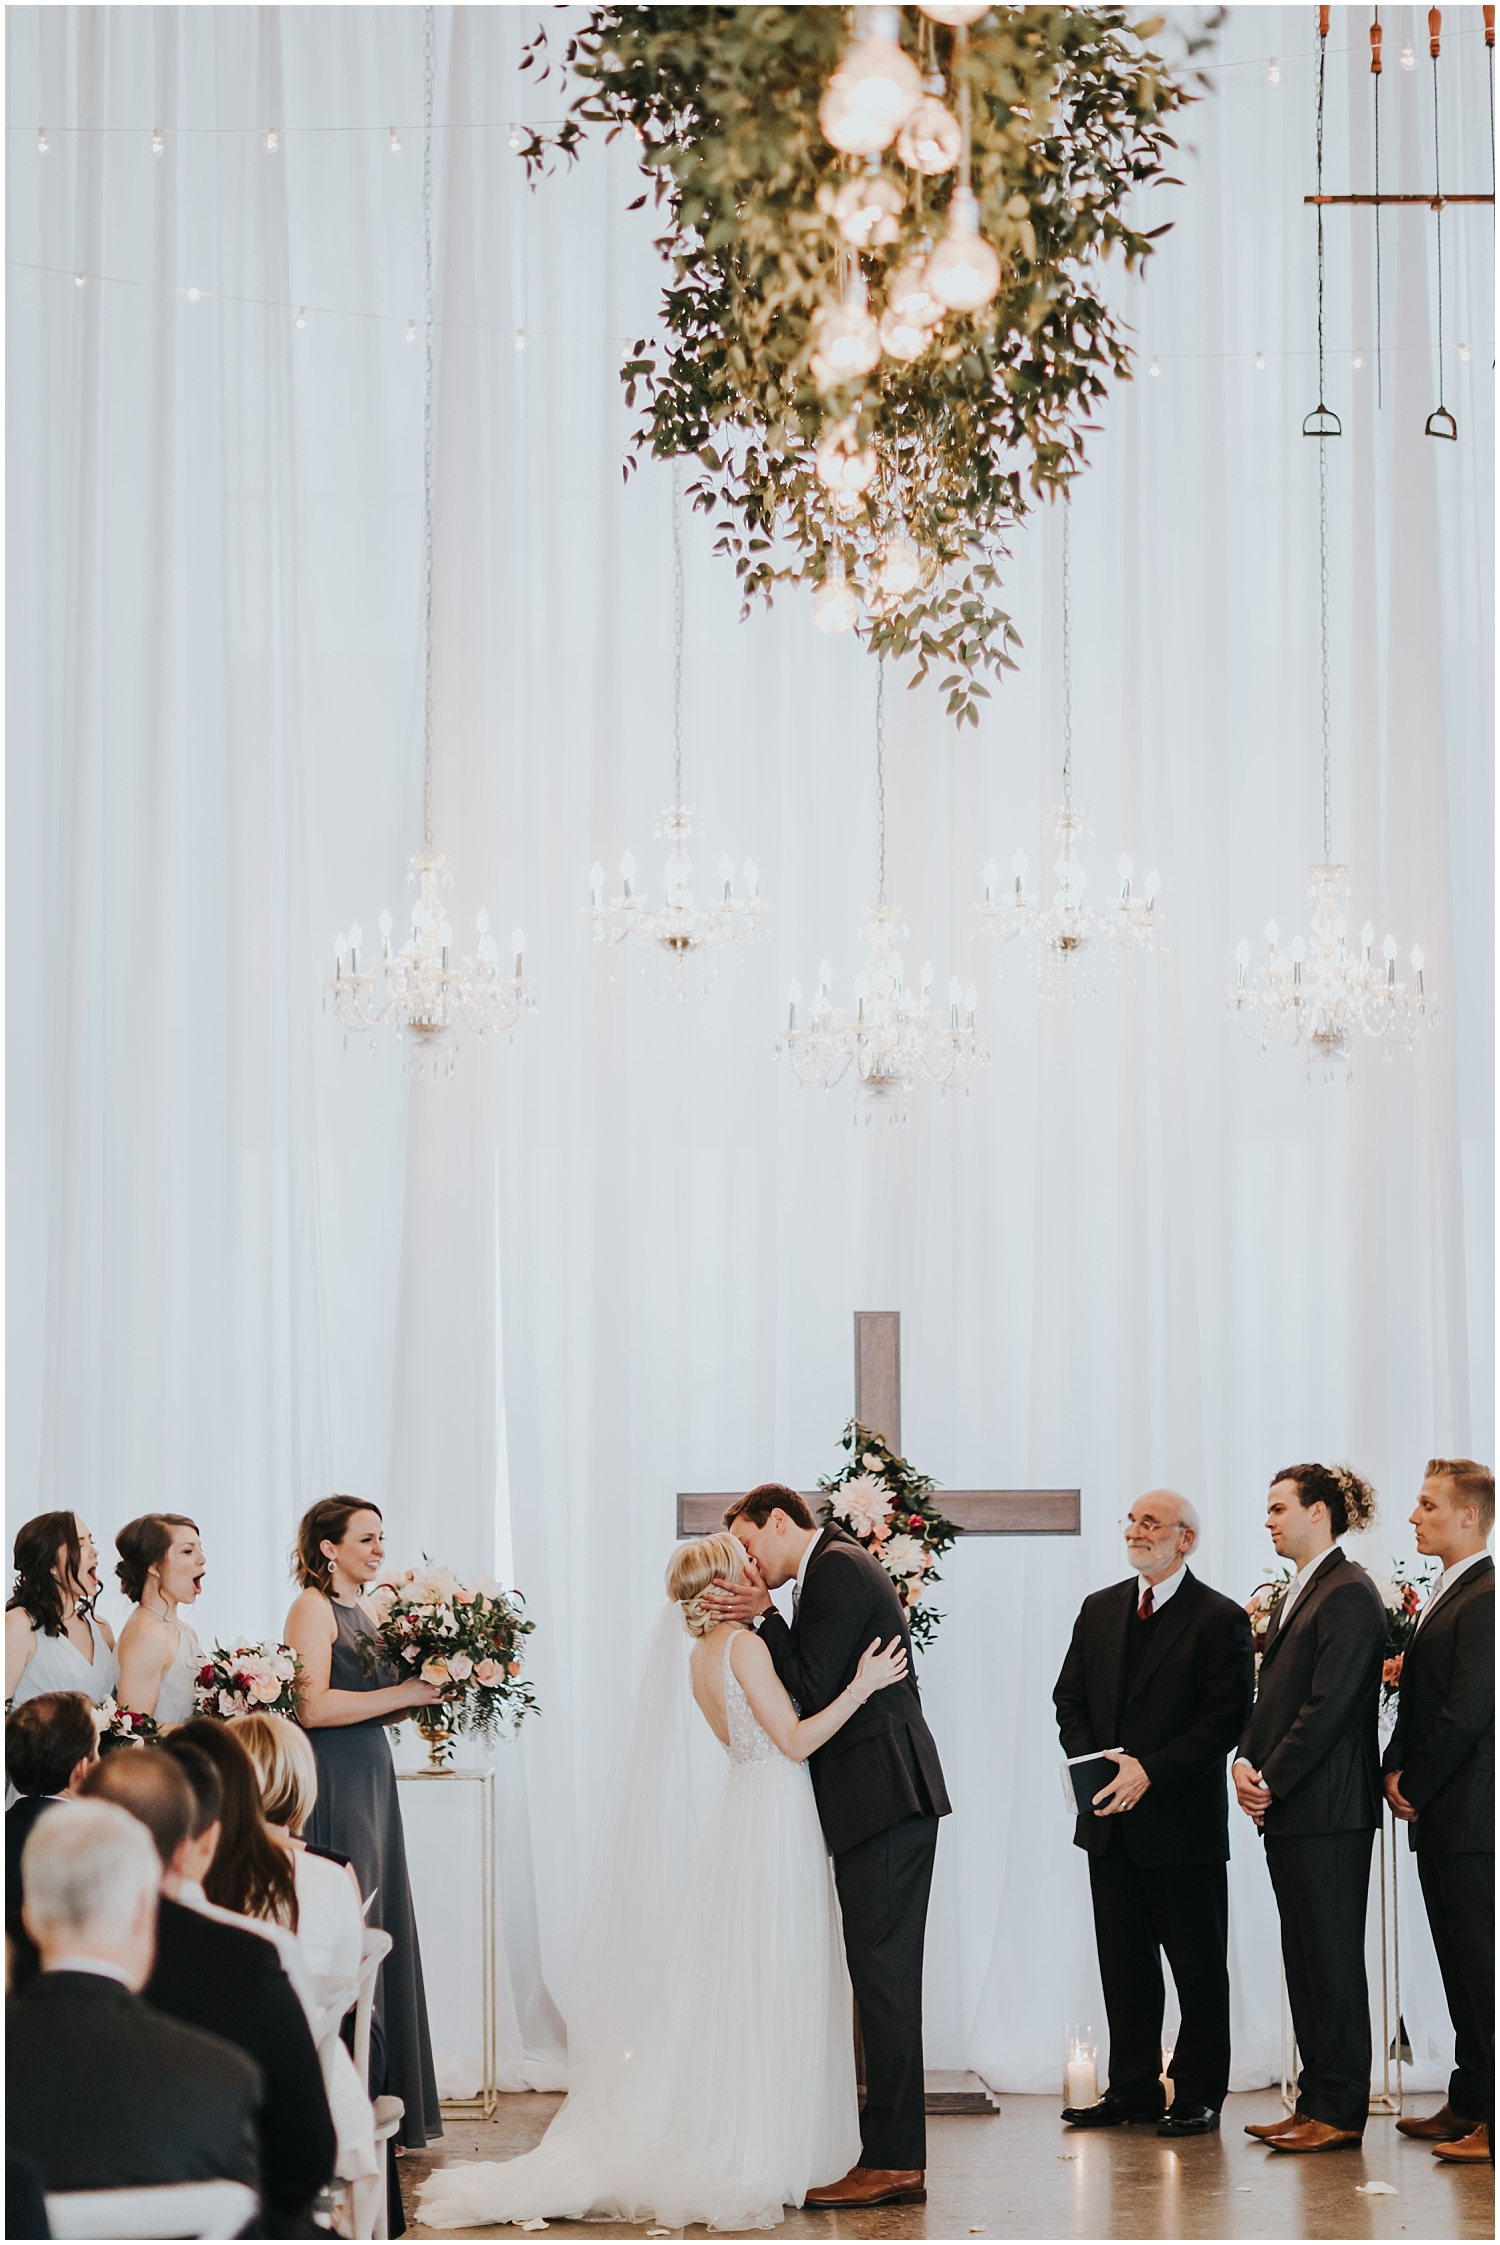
710, 2046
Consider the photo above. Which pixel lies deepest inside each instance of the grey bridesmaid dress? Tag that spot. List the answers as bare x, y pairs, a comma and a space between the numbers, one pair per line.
358, 1812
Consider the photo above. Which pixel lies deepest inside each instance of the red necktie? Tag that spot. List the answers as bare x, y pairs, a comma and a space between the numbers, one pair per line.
1146, 1608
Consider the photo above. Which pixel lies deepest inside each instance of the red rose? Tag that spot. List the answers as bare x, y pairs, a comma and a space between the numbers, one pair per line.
206, 1674
916, 1523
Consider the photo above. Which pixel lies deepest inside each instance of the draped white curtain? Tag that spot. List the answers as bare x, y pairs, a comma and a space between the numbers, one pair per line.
521, 1309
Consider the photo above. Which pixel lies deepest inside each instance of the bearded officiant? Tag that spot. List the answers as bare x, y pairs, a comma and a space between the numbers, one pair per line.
1159, 1679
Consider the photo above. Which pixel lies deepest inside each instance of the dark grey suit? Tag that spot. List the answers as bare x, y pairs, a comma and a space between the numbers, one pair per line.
1444, 1747
1313, 1736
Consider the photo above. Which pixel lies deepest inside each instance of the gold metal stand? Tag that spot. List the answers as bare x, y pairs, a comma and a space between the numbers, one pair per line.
1384, 2099
480, 2107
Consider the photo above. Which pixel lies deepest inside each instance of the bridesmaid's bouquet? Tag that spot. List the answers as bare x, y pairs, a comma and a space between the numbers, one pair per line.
886, 1505
467, 1639
248, 1680
122, 1726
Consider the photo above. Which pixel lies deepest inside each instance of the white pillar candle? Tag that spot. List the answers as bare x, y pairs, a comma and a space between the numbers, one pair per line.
1082, 2083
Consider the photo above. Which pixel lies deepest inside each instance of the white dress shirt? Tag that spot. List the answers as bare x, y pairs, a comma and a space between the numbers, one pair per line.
1447, 1579
1299, 1582
1161, 1591
106, 1968
801, 1578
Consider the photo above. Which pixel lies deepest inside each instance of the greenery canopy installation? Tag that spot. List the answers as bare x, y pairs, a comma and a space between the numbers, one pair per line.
854, 431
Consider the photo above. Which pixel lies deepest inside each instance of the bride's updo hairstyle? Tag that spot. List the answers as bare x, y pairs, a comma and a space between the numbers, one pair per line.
1350, 1501
711, 1559
142, 1545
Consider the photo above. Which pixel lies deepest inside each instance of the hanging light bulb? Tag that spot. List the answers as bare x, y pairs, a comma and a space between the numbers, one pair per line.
867, 209
902, 338
43, 144
158, 141
273, 141
930, 141
848, 341
411, 331
910, 299
1408, 58
395, 142
1273, 75
840, 463
834, 606
899, 566
1260, 362
874, 90
963, 272
964, 11
301, 320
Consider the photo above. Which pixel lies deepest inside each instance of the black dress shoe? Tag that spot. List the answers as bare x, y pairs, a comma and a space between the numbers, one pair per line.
1188, 2120
1111, 2112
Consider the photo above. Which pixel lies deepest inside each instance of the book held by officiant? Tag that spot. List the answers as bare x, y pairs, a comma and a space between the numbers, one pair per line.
1088, 1774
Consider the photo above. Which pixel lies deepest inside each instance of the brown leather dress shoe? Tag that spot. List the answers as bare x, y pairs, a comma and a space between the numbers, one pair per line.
1266, 2129
1441, 2127
1315, 2135
873, 2186
1472, 2150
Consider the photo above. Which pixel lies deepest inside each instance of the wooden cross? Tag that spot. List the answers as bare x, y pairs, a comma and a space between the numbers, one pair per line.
877, 1405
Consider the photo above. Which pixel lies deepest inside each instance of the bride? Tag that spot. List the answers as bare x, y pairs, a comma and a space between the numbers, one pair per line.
710, 2047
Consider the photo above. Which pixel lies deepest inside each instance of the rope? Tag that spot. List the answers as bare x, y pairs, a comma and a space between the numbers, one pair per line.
880, 781
1322, 74
428, 69
1323, 599
1067, 656
1437, 182
677, 611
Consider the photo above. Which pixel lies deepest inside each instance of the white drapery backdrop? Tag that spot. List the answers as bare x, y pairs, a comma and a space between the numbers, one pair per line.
522, 1309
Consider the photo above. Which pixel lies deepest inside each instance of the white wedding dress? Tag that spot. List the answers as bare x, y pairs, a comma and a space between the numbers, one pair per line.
711, 2061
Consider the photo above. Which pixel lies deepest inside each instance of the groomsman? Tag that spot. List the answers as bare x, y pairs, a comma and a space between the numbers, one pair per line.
1160, 1667
1440, 1781
1308, 1773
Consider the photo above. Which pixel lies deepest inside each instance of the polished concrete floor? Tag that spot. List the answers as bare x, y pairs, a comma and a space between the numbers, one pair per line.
1021, 2174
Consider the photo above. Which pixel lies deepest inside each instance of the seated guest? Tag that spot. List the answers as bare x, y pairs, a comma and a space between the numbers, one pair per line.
100, 2090
1440, 1781
1308, 1774
51, 1744
330, 1914
230, 1982
1161, 1667
25, 2198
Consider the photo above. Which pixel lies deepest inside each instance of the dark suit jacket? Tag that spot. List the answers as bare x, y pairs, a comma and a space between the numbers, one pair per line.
233, 1984
19, 1820
1185, 1712
883, 1766
104, 2093
1312, 1732
1444, 1740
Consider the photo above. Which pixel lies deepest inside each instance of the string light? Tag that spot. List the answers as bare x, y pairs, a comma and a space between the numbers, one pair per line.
411, 331
301, 320
1408, 58
158, 142
520, 338
1260, 362
79, 279
835, 607
395, 142
42, 142
514, 137
273, 141
1273, 75
1463, 351
1156, 366
874, 89
193, 295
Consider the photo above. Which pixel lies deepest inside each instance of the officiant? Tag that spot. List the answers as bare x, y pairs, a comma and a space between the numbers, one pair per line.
1159, 1679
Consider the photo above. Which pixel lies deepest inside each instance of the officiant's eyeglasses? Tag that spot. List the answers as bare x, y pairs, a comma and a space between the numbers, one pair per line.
1148, 1527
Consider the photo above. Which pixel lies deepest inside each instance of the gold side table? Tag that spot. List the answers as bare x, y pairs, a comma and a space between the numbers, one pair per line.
480, 2107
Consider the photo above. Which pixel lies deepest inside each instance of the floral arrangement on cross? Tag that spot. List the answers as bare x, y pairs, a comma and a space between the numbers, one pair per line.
466, 1639
1401, 1597
887, 1506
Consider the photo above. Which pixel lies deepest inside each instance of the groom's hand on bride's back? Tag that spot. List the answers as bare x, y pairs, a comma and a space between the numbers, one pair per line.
743, 1601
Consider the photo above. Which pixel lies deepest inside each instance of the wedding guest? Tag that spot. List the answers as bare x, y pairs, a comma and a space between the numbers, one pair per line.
52, 1641
25, 2198
161, 1567
51, 1744
1440, 1781
348, 1696
231, 1983
1161, 1667
100, 2090
330, 1914
1308, 1774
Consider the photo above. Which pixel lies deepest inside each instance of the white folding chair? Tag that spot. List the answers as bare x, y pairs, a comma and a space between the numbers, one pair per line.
159, 2210
368, 2193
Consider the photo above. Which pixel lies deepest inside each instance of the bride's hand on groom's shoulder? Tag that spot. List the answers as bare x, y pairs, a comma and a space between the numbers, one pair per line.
878, 1670
743, 1601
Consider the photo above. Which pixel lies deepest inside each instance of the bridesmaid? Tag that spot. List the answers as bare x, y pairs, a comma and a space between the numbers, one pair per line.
345, 1710
161, 1567
52, 1641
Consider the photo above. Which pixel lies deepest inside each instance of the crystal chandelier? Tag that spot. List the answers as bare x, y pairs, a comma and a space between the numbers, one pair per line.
679, 925
896, 1036
1319, 995
1061, 938
422, 989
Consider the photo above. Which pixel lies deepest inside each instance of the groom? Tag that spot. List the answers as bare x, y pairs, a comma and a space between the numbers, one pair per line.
879, 1789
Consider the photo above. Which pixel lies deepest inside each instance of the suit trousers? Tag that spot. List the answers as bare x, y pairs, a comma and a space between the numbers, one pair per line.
883, 1886
1459, 1891
1184, 1909
1322, 1884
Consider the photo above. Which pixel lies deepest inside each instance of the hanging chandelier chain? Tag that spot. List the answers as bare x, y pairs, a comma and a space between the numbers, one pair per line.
428, 70
1322, 76
1067, 656
880, 782
1437, 186
677, 633
1323, 603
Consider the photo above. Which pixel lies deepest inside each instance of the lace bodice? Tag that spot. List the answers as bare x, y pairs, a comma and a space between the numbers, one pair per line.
747, 1741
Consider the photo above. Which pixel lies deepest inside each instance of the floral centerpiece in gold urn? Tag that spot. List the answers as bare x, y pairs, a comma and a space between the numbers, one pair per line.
466, 1639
